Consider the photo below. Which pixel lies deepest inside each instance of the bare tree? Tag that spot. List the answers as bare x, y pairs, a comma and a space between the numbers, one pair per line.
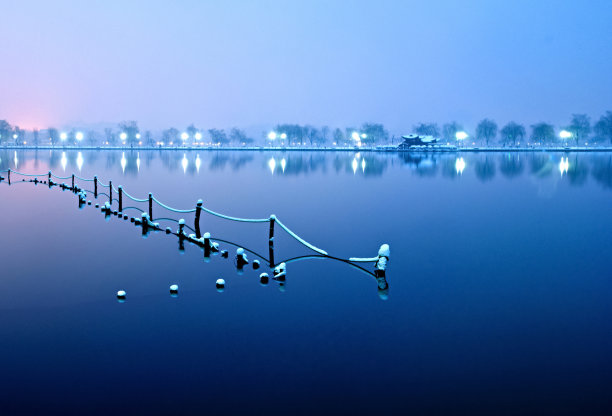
449, 131
338, 137
512, 133
603, 127
543, 133
5, 131
486, 130
130, 128
580, 127
427, 129
53, 135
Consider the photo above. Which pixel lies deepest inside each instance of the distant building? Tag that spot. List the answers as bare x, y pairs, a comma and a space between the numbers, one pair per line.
412, 140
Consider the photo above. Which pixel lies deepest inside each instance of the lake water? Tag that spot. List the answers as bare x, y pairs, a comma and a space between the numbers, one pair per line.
498, 299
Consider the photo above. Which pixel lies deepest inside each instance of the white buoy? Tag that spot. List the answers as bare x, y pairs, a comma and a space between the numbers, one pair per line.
255, 264
173, 288
220, 283
263, 279
121, 294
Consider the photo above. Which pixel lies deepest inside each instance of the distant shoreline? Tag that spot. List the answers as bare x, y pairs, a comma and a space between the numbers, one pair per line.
380, 149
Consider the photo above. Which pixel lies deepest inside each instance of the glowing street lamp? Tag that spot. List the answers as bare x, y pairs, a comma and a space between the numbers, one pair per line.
272, 135
63, 136
283, 136
198, 136
461, 135
184, 136
138, 136
564, 134
79, 136
123, 136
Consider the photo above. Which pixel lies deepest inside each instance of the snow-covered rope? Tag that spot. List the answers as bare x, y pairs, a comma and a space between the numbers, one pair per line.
60, 177
184, 211
297, 237
83, 179
227, 217
132, 198
27, 174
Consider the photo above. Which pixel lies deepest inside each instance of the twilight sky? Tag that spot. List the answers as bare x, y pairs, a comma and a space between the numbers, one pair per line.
340, 63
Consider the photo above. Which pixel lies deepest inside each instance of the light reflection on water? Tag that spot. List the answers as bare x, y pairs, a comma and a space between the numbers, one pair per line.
576, 167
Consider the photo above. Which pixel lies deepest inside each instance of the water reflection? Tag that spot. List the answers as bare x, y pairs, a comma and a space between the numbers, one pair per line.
574, 168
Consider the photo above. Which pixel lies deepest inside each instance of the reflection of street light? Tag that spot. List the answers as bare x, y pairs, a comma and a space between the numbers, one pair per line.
459, 165
272, 135
564, 134
63, 136
79, 136
461, 135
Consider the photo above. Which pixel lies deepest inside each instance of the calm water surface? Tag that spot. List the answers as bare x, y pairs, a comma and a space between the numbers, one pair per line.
499, 297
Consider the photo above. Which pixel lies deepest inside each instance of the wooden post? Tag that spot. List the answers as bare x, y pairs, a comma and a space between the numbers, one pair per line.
120, 189
151, 206
271, 240
272, 222
110, 190
73, 181
9, 176
49, 178
95, 187
197, 218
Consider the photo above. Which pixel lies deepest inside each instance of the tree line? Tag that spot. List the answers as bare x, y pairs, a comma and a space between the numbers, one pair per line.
579, 131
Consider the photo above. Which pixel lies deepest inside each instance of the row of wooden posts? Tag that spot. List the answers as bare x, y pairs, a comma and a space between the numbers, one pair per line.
198, 209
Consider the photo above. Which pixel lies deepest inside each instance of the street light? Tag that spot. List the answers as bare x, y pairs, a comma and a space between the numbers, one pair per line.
283, 136
272, 135
79, 136
198, 136
564, 134
461, 135
63, 136
184, 136
123, 136
138, 136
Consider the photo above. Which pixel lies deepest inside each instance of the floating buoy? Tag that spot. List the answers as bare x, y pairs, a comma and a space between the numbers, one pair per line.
121, 294
168, 230
220, 283
264, 279
97, 205
224, 254
255, 264
173, 288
